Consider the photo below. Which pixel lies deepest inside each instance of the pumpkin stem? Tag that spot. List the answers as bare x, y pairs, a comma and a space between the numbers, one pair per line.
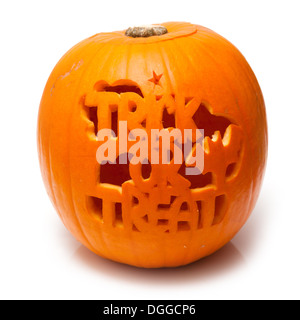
146, 31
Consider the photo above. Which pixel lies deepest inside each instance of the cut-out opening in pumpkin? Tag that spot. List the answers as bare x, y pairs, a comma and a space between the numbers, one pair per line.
220, 208
197, 181
93, 117
199, 210
210, 123
95, 205
121, 86
118, 215
183, 226
168, 120
115, 174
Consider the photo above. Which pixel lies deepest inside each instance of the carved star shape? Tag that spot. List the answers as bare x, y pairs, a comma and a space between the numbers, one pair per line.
156, 78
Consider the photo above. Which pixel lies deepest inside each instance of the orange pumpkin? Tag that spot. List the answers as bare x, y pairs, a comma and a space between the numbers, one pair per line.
178, 75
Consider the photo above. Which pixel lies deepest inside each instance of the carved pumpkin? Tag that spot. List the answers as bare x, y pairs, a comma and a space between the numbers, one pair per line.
176, 76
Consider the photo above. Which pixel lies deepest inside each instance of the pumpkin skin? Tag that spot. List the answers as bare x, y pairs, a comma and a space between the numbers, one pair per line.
126, 213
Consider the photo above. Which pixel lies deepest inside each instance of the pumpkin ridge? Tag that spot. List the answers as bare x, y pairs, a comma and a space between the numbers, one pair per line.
130, 234
69, 171
237, 105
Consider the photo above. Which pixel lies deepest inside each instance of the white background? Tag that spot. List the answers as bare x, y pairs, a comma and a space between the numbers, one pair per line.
39, 259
